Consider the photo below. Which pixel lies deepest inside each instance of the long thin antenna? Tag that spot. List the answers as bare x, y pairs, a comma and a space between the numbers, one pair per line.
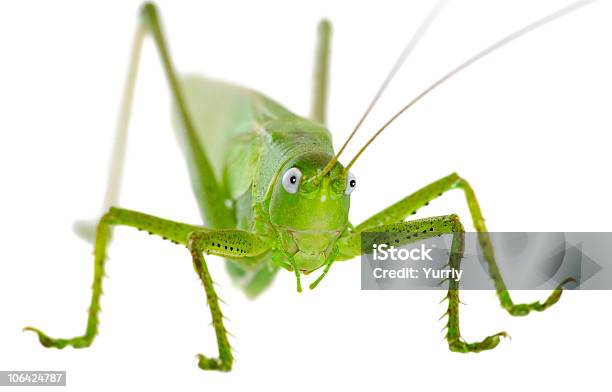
504, 41
419, 33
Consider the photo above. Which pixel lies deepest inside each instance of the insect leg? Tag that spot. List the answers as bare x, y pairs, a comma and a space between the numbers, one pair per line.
421, 229
86, 229
453, 335
321, 73
236, 244
228, 243
209, 194
421, 198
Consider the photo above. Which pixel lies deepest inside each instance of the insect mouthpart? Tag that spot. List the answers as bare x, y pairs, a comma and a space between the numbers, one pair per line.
312, 247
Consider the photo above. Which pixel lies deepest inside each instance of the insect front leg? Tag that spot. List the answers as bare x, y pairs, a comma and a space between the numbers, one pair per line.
231, 244
409, 205
419, 230
235, 244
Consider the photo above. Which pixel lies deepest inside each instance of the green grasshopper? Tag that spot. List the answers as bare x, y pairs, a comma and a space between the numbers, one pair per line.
274, 195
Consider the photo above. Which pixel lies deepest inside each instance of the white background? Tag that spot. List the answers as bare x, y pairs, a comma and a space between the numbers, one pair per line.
529, 127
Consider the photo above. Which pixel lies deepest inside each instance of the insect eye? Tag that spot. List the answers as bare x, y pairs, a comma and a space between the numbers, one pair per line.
291, 180
351, 183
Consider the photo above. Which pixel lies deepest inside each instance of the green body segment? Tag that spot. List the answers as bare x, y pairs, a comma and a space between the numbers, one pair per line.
238, 145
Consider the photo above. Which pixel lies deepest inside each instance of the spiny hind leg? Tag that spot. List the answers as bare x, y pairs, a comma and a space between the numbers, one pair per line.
422, 197
210, 194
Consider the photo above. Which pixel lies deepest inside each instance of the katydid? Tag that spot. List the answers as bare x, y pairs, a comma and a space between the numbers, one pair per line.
273, 194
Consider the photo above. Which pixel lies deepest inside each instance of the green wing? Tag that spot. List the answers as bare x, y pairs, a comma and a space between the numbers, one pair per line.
221, 113
229, 122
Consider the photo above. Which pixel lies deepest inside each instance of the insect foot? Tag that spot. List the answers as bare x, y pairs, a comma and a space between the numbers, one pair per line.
45, 340
460, 346
206, 363
525, 309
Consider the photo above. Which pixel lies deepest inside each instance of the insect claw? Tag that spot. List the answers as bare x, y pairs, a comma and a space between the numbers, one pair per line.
505, 335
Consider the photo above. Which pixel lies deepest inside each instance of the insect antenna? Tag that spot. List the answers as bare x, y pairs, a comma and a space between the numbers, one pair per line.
502, 42
418, 34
